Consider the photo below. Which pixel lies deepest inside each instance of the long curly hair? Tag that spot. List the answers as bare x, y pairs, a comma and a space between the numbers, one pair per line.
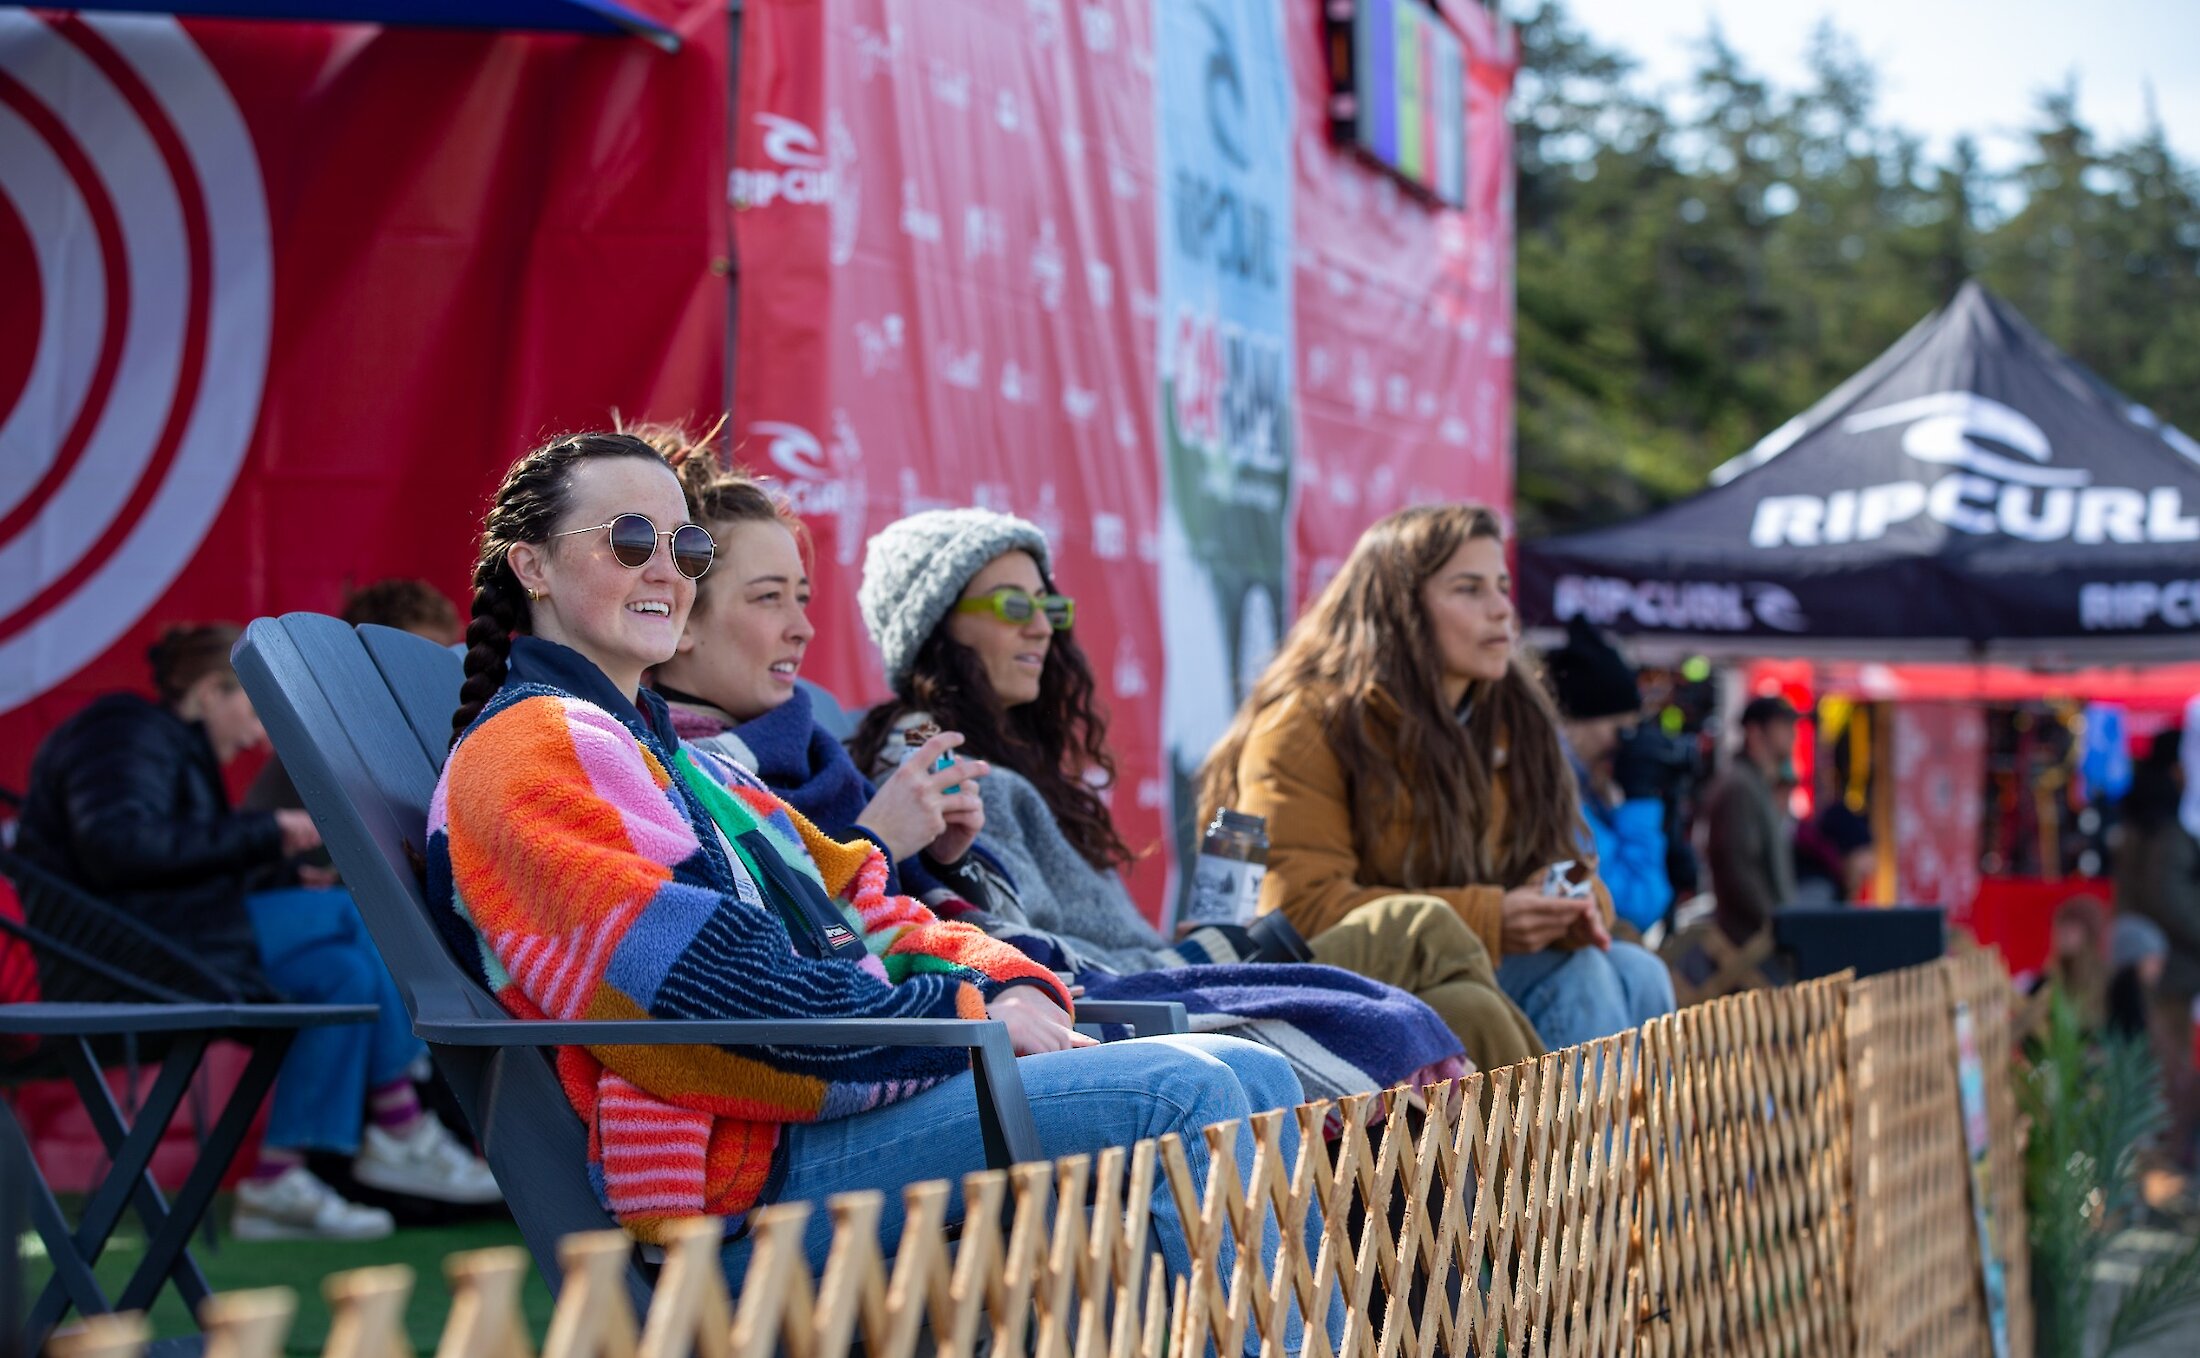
526, 506
1364, 652
1058, 740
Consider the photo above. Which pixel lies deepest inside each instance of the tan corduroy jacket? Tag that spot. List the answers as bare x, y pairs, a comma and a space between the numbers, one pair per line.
1289, 774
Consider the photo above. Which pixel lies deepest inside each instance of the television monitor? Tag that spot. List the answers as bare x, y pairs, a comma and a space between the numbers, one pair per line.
1398, 82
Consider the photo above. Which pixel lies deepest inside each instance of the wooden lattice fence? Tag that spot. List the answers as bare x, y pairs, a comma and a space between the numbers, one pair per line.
1745, 1215
1779, 1172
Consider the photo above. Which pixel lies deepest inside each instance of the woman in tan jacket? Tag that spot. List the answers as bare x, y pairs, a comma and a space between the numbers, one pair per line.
1402, 752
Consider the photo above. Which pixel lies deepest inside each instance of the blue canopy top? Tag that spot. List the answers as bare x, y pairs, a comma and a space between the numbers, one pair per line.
562, 16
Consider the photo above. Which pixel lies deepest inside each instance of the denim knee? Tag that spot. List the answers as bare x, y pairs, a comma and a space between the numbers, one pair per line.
1591, 974
353, 976
1579, 1000
1263, 1073
1193, 1087
1645, 981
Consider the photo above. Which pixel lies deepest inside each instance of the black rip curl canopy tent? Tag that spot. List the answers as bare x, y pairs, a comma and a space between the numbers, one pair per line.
1974, 493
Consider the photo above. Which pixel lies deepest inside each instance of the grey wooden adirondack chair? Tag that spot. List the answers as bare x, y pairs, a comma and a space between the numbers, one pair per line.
361, 719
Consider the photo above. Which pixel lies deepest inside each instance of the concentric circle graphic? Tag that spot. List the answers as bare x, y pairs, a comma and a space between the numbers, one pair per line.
148, 282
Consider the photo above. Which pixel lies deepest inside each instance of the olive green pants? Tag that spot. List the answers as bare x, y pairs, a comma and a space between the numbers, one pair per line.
1420, 945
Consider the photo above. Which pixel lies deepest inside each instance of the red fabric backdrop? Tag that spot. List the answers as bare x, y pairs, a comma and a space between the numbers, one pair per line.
946, 216
1939, 752
278, 302
1405, 317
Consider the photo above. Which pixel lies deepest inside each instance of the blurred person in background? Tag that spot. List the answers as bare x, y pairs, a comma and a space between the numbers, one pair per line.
1748, 839
1835, 859
410, 605
2078, 959
2137, 953
2158, 878
127, 801
1621, 769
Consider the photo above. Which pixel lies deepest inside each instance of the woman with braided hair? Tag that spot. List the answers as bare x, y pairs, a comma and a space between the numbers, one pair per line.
599, 867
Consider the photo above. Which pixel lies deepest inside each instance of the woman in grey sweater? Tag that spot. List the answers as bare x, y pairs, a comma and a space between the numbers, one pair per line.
975, 639
1083, 911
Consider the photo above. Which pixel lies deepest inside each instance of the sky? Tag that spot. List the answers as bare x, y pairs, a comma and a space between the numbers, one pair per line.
1946, 67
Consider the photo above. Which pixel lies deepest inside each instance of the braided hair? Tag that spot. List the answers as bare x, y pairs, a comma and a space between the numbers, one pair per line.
532, 498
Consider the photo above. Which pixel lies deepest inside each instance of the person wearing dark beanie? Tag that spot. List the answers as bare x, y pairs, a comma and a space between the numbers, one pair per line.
1622, 783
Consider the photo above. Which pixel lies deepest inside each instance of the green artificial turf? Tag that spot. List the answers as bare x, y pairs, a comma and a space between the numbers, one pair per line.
301, 1265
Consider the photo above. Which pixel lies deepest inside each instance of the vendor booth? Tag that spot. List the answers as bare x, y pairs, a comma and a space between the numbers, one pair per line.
1973, 494
1972, 519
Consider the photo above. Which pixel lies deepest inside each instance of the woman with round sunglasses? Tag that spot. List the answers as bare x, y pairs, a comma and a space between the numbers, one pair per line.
733, 691
976, 638
603, 868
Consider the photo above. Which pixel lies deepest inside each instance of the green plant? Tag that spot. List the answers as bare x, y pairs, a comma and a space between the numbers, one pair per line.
2093, 1104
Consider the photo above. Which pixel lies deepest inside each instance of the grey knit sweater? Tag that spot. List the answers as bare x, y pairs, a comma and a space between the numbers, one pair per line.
1083, 910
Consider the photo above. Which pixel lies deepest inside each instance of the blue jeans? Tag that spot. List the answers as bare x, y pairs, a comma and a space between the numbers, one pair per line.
1588, 993
315, 948
1083, 1101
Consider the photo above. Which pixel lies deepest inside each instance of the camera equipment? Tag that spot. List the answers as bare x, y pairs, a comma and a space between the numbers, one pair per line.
1650, 763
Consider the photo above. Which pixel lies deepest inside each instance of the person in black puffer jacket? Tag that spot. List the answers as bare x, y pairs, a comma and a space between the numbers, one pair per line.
127, 801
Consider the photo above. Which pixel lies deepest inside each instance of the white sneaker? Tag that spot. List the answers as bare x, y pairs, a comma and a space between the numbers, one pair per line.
426, 1162
298, 1206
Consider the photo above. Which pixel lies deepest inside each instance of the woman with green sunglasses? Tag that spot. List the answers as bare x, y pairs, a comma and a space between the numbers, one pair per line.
976, 639
1017, 605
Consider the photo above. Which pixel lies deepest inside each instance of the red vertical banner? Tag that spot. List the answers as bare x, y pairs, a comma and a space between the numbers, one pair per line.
960, 310
1939, 789
280, 302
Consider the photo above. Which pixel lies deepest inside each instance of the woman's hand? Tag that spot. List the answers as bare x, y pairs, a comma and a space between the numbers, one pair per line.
1590, 930
1534, 921
1035, 1023
300, 834
965, 816
913, 811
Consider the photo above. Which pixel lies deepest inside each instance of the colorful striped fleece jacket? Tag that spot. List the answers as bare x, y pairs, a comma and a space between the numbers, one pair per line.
601, 871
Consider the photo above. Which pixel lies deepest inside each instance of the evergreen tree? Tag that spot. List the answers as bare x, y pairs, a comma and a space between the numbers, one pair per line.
1688, 281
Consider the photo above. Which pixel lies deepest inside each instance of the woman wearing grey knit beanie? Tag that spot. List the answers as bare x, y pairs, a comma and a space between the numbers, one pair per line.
976, 639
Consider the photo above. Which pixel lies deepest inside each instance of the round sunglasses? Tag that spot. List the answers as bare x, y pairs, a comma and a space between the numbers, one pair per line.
634, 542
1013, 605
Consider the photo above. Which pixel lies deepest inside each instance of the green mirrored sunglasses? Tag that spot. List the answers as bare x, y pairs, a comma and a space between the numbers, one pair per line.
1013, 605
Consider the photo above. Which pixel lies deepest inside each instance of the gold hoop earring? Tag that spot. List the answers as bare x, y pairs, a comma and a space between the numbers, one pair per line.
536, 595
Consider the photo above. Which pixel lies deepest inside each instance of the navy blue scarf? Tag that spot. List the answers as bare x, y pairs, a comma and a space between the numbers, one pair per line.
811, 771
